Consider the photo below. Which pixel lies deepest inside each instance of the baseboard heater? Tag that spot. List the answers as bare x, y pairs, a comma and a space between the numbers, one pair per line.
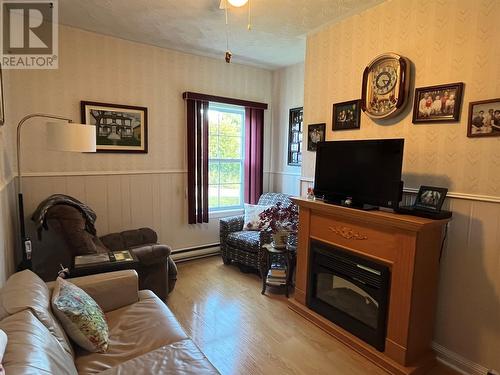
196, 252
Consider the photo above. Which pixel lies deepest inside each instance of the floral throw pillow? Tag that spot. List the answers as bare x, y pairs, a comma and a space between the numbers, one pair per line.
82, 318
252, 219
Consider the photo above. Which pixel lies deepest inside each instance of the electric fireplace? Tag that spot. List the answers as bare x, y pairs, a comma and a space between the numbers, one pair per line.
350, 291
336, 245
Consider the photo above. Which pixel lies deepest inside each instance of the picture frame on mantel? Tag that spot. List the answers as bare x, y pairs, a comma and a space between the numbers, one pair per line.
119, 128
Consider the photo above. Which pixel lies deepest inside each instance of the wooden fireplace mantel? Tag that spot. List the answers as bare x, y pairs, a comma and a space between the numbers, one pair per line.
409, 246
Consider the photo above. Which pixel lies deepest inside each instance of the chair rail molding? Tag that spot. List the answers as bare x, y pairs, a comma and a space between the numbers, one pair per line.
103, 173
451, 194
284, 173
458, 195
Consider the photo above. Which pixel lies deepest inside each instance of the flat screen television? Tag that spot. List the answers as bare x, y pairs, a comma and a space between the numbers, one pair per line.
360, 173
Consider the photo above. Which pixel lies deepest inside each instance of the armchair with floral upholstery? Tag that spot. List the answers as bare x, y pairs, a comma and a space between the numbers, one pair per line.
243, 247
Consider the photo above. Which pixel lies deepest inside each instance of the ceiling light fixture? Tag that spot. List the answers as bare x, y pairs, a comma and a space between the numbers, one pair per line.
237, 3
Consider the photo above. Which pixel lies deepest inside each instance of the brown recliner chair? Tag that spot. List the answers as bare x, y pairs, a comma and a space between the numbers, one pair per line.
66, 237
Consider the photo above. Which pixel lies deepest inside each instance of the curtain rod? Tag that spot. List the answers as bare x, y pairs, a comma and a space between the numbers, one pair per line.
220, 99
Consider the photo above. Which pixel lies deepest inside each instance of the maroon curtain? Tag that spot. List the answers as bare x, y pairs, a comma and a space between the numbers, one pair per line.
254, 149
197, 148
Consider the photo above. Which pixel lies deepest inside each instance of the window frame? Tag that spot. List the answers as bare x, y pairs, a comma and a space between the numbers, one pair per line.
295, 137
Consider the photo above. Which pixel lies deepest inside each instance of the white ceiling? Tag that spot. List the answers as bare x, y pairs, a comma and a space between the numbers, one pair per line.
198, 26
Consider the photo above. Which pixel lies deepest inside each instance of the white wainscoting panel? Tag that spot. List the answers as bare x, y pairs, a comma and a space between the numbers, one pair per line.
8, 230
130, 201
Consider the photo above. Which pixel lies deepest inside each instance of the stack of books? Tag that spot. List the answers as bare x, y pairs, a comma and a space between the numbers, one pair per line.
276, 276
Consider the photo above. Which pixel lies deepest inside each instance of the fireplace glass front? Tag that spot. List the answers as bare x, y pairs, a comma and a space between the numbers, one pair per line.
350, 291
348, 297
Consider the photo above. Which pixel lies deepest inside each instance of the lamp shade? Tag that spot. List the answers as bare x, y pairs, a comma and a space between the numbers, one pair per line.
63, 136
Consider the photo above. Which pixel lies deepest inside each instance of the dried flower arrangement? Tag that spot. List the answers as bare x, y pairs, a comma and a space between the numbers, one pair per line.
278, 218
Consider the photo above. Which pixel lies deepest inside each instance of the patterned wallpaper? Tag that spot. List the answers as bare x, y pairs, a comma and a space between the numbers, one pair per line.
7, 132
7, 187
288, 92
446, 41
126, 191
100, 68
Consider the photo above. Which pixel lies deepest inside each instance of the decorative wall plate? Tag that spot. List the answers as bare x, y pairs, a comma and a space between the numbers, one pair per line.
386, 82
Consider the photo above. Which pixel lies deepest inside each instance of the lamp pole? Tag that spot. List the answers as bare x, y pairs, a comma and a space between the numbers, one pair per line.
25, 240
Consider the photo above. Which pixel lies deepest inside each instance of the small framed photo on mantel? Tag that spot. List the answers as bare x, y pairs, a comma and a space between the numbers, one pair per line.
484, 118
430, 198
346, 115
441, 103
119, 128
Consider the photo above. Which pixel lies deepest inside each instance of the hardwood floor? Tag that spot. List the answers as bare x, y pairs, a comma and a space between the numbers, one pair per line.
243, 332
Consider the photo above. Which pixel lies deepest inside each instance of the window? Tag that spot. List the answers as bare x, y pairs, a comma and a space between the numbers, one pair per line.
295, 136
226, 124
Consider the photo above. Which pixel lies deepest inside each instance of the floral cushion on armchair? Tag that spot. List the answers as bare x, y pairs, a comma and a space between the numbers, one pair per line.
252, 213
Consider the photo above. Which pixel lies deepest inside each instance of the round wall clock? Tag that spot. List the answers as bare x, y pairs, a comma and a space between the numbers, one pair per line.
385, 86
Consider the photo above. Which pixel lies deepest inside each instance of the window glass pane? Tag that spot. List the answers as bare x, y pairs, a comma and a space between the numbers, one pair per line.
213, 142
213, 122
230, 173
230, 124
295, 137
213, 173
213, 196
229, 147
230, 195
226, 152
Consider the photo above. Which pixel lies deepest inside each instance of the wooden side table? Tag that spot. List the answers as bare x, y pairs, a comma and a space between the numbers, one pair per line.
283, 275
104, 266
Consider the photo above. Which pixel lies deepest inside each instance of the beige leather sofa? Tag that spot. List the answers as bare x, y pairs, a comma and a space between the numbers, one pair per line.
145, 337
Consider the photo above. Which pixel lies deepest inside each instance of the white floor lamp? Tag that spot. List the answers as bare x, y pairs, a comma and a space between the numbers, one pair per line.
60, 137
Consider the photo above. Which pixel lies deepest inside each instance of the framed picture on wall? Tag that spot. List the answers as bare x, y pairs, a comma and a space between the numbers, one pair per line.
295, 136
484, 118
440, 103
315, 134
119, 128
346, 115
